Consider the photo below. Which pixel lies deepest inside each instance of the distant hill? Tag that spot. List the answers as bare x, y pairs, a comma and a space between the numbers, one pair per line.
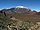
19, 10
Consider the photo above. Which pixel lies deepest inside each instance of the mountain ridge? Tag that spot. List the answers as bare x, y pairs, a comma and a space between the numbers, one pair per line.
20, 10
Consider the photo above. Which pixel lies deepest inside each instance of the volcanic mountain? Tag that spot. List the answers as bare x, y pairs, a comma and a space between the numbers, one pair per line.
18, 10
21, 13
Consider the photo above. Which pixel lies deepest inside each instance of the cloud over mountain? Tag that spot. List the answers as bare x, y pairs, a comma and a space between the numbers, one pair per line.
19, 9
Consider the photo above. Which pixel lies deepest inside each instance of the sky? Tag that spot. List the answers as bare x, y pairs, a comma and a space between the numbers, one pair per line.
32, 4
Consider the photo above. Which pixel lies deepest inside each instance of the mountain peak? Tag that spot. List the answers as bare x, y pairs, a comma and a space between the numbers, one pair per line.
20, 7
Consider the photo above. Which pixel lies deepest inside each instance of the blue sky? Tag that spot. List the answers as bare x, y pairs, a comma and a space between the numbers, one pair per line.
32, 4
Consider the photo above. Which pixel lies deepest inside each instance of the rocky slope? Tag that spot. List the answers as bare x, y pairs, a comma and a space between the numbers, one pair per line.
18, 10
19, 19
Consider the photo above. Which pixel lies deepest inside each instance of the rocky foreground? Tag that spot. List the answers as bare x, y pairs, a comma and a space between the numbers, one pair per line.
17, 24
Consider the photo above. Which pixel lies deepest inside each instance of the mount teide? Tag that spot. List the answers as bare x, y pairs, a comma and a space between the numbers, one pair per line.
21, 14
18, 10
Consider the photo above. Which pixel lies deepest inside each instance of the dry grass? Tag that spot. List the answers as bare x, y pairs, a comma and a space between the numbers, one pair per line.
26, 17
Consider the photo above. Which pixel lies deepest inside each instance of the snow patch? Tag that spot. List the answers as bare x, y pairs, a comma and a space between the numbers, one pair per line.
20, 7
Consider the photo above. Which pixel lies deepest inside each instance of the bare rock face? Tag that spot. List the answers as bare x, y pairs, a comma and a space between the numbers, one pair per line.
38, 13
18, 10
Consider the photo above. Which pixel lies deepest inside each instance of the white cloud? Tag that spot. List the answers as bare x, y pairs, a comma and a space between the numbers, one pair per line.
20, 7
0, 9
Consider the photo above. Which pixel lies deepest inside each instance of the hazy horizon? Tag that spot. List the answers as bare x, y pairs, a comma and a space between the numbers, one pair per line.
31, 4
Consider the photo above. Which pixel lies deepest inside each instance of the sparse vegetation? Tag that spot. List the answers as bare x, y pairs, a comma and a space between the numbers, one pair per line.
18, 21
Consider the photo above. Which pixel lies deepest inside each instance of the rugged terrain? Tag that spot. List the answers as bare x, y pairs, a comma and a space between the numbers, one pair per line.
19, 19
